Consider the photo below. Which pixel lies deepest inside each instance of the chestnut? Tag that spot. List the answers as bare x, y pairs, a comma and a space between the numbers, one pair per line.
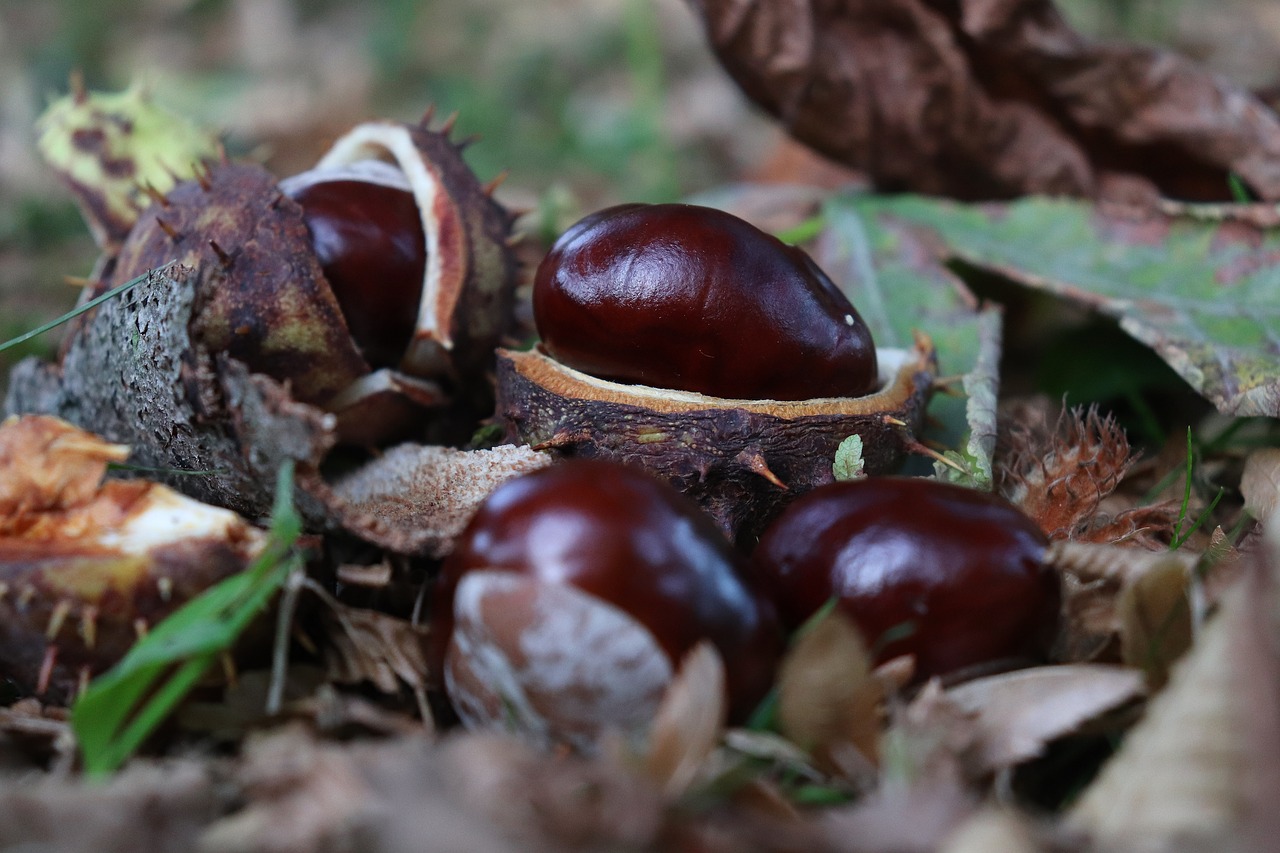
695, 299
962, 571
630, 543
368, 236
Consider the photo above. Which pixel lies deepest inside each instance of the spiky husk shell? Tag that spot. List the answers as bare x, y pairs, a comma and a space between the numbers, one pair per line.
742, 460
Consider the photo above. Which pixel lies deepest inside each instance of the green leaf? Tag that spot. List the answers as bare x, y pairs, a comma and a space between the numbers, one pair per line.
1198, 284
122, 707
848, 463
900, 287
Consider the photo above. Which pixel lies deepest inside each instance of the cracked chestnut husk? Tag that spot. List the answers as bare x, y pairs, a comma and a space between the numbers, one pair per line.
87, 566
356, 305
684, 340
376, 289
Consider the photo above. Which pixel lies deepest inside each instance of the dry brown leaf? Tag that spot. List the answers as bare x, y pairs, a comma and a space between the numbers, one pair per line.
1205, 762
1155, 620
1260, 483
828, 698
566, 800
365, 645
689, 721
930, 738
992, 98
1019, 713
301, 798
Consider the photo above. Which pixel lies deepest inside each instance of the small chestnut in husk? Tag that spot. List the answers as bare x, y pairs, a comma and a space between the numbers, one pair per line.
368, 236
961, 572
695, 299
642, 553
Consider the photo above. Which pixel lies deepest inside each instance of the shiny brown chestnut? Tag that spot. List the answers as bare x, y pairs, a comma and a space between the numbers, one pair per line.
632, 541
368, 236
959, 572
695, 299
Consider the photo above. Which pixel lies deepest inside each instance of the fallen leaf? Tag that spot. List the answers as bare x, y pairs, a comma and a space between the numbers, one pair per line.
992, 830
828, 698
1260, 483
1155, 620
1196, 285
689, 721
979, 99
1020, 713
1204, 763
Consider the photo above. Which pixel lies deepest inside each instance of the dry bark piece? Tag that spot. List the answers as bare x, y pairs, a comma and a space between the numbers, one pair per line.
84, 565
742, 460
984, 99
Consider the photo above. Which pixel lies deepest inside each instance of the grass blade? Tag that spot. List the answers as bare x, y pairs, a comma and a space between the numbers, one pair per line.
77, 311
124, 706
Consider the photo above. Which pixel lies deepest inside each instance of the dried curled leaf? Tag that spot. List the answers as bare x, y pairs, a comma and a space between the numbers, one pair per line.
981, 99
1019, 713
828, 698
1203, 764
1260, 483
1155, 620
688, 723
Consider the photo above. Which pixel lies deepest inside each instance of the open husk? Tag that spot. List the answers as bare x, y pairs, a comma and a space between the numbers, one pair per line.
743, 460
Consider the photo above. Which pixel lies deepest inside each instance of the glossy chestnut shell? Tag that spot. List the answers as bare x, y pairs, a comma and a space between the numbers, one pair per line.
369, 240
634, 542
957, 571
695, 299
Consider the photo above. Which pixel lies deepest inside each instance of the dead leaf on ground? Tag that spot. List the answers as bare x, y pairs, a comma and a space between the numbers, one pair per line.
1020, 713
689, 721
1260, 483
1155, 621
366, 645
981, 99
828, 698
1204, 763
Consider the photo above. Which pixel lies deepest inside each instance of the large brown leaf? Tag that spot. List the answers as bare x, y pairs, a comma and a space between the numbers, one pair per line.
992, 98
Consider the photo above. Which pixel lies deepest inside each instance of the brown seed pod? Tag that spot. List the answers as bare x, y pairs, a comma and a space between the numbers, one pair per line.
86, 566
743, 460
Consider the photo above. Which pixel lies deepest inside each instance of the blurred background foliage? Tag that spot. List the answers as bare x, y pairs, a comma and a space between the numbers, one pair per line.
583, 102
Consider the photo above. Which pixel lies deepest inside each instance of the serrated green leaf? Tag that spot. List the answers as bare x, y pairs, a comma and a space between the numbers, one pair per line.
848, 464
900, 286
1199, 285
